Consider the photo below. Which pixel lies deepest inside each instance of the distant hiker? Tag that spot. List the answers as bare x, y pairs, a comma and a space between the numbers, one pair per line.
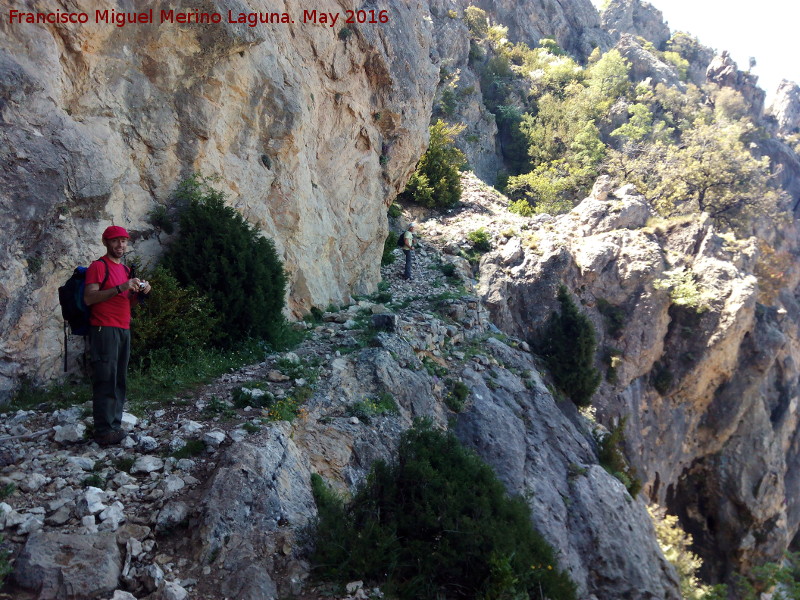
110, 292
408, 249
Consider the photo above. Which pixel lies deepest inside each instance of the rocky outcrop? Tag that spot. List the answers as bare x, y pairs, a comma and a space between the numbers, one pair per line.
574, 25
231, 520
644, 64
636, 18
312, 128
724, 72
705, 378
785, 108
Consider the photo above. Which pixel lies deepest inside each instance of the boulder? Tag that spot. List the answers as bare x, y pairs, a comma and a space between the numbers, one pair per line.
59, 566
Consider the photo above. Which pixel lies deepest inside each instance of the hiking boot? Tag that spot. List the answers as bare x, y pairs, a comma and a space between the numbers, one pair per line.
112, 437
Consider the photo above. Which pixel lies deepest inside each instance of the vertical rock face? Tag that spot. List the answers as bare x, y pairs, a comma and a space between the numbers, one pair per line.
785, 107
312, 129
724, 72
574, 25
636, 18
710, 392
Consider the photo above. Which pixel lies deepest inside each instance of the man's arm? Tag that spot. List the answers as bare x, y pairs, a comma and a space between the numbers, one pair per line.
92, 294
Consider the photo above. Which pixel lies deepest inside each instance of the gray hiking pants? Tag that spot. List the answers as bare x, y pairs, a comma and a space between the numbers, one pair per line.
409, 258
110, 351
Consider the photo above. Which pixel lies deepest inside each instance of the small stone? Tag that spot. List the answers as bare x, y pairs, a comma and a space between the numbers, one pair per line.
292, 358
189, 427
31, 483
172, 484
12, 518
171, 515
129, 442
129, 421
112, 517
90, 502
30, 524
276, 376
70, 433
152, 577
89, 524
354, 421
147, 443
214, 438
61, 516
524, 347
185, 464
354, 586
237, 435
173, 591
120, 595
147, 464
133, 548
122, 478
177, 443
81, 462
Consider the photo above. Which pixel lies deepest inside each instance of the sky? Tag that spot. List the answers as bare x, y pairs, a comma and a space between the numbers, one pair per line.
764, 29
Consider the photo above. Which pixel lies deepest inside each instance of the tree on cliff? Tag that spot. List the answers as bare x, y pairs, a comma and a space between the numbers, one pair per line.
568, 347
711, 170
437, 181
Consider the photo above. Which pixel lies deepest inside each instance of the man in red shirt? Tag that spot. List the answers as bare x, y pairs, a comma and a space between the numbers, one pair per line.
110, 292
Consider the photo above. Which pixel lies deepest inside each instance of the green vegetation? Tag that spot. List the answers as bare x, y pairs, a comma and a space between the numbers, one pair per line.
173, 323
568, 347
614, 317
389, 245
436, 183
193, 447
612, 458
457, 395
687, 150
367, 409
220, 253
684, 290
435, 524
480, 240
676, 545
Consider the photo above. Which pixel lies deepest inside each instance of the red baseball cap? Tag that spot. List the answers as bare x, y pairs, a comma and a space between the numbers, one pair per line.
115, 232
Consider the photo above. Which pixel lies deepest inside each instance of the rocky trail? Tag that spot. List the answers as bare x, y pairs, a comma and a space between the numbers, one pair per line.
84, 521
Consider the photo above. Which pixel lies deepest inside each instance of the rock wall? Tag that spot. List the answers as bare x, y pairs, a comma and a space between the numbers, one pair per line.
785, 108
313, 129
710, 393
636, 18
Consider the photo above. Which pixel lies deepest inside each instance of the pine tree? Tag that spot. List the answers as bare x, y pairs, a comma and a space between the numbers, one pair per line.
219, 252
568, 347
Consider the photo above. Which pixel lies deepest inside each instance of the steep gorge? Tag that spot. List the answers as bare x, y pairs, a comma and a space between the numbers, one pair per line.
314, 130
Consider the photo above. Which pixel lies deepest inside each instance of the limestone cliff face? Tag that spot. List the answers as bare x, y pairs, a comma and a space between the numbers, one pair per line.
313, 129
574, 25
710, 393
785, 107
636, 18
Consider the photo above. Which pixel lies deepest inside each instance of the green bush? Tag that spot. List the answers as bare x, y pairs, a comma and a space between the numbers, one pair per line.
457, 395
568, 348
218, 251
436, 183
366, 409
172, 322
480, 240
612, 459
435, 524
